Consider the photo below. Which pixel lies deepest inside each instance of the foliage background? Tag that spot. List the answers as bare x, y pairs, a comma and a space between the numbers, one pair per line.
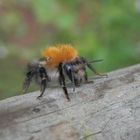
99, 29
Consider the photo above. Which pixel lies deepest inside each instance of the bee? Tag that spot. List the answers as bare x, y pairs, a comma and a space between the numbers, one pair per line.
63, 58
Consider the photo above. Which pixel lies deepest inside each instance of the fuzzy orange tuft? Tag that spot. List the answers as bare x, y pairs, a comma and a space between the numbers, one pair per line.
59, 53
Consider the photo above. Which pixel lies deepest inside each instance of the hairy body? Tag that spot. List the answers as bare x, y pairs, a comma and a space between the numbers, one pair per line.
65, 60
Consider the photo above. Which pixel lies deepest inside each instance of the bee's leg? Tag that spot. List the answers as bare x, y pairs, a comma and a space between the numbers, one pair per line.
97, 73
26, 84
92, 68
68, 68
72, 79
86, 80
44, 78
86, 77
62, 81
70, 74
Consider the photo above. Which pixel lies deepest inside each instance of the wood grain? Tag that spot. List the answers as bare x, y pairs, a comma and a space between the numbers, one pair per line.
108, 109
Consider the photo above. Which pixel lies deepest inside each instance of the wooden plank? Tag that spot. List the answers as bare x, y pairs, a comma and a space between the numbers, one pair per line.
108, 109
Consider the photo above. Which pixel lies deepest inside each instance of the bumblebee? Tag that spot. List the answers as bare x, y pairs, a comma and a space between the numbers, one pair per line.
66, 61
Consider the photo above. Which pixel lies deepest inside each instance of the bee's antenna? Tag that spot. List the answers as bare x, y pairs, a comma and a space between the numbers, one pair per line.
94, 61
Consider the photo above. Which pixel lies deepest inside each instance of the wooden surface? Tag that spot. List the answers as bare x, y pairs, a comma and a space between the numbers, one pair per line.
108, 109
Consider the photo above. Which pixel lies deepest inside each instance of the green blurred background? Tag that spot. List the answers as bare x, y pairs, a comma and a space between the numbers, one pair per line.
99, 29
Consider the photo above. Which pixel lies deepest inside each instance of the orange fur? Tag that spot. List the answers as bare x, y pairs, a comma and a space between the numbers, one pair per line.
59, 53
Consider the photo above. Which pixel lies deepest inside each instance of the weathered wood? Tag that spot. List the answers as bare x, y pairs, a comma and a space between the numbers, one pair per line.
108, 109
